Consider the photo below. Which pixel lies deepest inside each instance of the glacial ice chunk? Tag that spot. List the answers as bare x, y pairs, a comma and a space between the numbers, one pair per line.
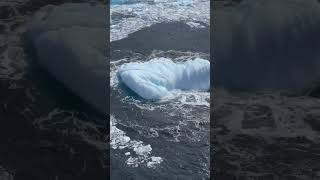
155, 79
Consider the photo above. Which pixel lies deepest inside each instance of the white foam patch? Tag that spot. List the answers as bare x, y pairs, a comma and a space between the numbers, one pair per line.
155, 79
140, 15
142, 156
195, 25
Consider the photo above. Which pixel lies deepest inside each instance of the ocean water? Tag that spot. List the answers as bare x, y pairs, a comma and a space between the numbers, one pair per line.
267, 44
131, 17
166, 138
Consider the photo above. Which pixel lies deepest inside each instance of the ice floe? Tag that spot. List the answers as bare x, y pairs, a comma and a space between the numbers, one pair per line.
155, 79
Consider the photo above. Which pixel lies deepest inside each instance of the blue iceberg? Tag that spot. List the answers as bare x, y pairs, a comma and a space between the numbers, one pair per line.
154, 79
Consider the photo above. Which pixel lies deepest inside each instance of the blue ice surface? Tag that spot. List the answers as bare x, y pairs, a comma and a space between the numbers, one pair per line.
154, 79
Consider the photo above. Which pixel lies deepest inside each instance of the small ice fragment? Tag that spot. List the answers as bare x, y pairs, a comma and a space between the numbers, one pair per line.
154, 161
143, 150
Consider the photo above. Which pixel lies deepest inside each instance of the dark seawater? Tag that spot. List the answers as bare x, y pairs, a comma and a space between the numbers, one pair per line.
265, 51
267, 44
46, 131
178, 129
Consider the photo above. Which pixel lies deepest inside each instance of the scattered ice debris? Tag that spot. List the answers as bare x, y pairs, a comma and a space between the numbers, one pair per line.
119, 140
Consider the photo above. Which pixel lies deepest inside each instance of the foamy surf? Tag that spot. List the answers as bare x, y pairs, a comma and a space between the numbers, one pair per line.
128, 18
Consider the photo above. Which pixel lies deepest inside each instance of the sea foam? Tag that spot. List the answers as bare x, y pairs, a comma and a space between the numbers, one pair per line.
141, 14
154, 79
142, 155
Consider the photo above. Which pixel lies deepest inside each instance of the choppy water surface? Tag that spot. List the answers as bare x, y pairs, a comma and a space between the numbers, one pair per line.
128, 18
168, 138
164, 139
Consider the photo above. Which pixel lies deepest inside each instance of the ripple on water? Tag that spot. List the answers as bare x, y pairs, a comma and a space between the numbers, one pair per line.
177, 122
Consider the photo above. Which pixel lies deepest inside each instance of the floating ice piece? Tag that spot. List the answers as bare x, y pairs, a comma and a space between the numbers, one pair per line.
154, 161
119, 140
195, 25
156, 78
